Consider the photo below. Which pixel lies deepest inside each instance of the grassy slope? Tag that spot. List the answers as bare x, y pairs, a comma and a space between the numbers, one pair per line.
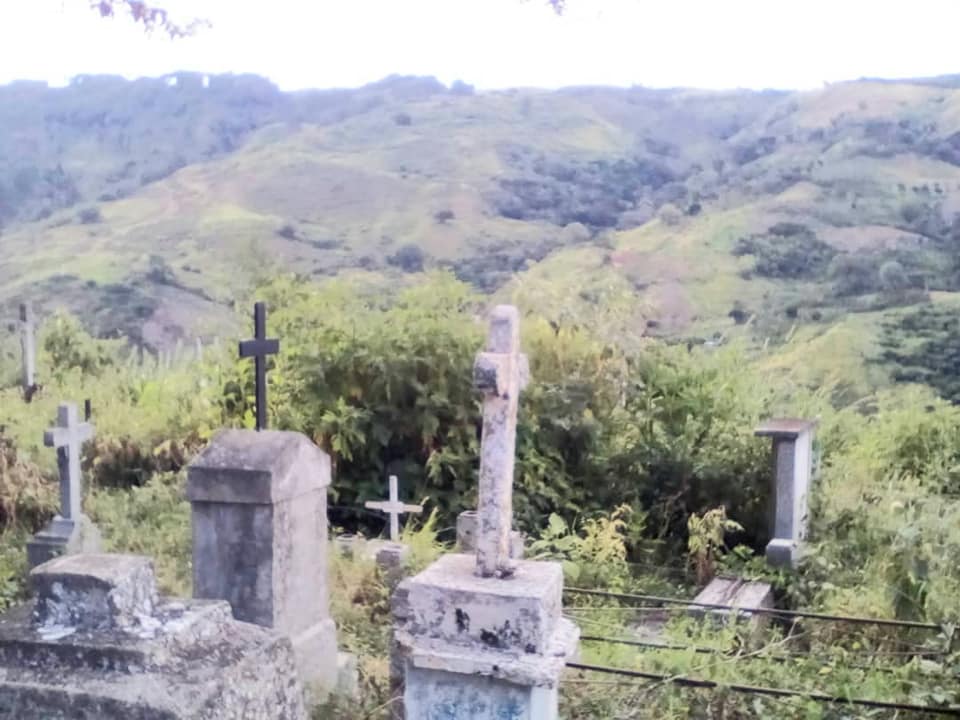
355, 191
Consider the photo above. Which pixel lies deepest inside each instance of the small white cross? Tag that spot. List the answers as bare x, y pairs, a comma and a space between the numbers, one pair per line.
394, 508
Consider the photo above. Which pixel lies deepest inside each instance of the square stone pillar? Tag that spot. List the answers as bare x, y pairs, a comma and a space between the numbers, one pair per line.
481, 648
792, 468
259, 515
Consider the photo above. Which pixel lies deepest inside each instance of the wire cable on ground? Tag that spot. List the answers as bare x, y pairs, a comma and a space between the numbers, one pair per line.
767, 691
754, 611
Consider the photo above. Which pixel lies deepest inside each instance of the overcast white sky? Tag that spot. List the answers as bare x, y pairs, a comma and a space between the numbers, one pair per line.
498, 43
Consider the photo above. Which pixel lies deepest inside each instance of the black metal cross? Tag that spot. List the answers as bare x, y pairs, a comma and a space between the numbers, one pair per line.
258, 349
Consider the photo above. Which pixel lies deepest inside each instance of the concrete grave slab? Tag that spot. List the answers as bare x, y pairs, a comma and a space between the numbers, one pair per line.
98, 643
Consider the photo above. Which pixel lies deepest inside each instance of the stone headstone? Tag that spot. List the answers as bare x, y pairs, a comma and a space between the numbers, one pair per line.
467, 523
99, 643
483, 637
792, 468
259, 515
70, 531
28, 349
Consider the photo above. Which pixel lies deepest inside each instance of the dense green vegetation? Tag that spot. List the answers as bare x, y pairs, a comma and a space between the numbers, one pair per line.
623, 456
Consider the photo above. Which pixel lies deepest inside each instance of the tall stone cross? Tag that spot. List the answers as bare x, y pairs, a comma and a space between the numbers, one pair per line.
394, 508
500, 372
28, 346
68, 437
258, 349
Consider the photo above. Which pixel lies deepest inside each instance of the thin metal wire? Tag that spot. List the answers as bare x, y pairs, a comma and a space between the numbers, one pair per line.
909, 654
776, 657
756, 611
770, 692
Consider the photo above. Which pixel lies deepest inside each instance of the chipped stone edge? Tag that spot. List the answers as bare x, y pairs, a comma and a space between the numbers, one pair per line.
537, 670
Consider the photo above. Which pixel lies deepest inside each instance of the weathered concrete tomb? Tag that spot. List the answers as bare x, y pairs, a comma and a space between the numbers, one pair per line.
259, 515
98, 643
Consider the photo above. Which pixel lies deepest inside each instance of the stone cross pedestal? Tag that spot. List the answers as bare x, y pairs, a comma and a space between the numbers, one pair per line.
69, 532
98, 642
259, 515
28, 349
394, 508
792, 466
483, 637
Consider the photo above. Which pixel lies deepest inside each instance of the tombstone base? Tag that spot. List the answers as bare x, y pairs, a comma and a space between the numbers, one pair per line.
63, 537
479, 648
155, 658
783, 553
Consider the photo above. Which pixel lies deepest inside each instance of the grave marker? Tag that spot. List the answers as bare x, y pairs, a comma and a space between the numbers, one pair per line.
484, 637
259, 348
69, 532
394, 508
259, 518
501, 371
792, 466
100, 643
28, 349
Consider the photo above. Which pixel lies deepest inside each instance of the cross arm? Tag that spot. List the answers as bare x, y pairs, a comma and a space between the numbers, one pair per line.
252, 348
63, 436
492, 372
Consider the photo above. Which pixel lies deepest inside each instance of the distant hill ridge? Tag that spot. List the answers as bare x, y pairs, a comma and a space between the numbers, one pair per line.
149, 206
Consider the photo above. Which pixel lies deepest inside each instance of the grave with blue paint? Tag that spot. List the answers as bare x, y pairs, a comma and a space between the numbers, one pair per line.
482, 636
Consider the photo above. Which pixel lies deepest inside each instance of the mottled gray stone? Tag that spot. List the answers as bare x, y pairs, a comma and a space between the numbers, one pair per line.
453, 626
792, 459
467, 523
94, 592
259, 515
99, 644
448, 602
500, 373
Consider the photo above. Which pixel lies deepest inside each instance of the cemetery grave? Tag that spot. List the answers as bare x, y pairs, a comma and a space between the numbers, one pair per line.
488, 630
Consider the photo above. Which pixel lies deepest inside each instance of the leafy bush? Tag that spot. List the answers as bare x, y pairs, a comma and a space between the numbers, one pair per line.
409, 258
787, 250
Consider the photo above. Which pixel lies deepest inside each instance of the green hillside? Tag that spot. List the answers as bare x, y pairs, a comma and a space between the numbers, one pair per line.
148, 207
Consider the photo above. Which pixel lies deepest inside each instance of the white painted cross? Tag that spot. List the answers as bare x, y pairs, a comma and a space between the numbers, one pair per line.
67, 437
28, 347
500, 372
394, 508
